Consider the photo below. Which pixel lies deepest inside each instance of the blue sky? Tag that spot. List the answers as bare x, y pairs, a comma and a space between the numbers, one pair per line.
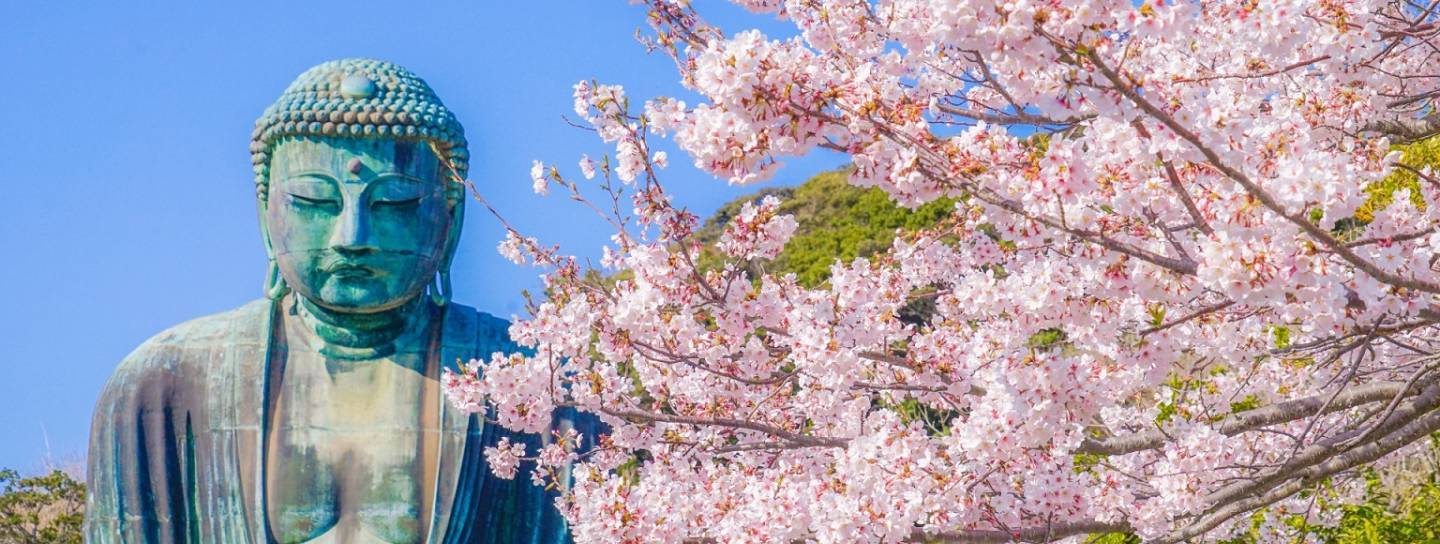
127, 184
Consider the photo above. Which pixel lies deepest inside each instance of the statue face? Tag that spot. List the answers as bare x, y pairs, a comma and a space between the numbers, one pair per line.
357, 224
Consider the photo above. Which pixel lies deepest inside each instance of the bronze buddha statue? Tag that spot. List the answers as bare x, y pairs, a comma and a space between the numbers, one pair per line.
315, 414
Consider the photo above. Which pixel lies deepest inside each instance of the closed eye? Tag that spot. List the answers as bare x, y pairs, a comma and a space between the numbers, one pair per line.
311, 201
397, 203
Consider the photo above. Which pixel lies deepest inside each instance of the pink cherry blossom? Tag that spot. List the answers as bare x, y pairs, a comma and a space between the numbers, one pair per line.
513, 247
587, 167
504, 458
758, 231
539, 181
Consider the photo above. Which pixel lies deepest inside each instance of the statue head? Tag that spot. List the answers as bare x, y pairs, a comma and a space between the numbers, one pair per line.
359, 171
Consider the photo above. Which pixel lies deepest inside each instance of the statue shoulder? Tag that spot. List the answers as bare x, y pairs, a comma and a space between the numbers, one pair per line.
196, 341
489, 333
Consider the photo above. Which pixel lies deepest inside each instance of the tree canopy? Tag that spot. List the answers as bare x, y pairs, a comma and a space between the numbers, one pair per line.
45, 509
1183, 284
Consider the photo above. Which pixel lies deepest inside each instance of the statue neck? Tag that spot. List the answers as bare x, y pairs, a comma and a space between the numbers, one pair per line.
348, 335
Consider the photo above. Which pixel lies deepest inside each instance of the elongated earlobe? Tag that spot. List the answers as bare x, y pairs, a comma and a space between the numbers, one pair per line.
440, 288
275, 286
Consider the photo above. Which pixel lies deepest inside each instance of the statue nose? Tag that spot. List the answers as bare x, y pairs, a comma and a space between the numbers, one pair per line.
352, 232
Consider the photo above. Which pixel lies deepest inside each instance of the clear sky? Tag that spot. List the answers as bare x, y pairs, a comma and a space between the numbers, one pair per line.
126, 177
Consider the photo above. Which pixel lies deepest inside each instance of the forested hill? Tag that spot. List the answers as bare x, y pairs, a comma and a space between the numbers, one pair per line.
837, 221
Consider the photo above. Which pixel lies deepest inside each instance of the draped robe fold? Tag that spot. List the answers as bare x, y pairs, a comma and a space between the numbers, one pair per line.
177, 445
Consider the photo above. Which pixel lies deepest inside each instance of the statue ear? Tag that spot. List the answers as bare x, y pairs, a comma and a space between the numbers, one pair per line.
261, 205
275, 286
452, 237
440, 294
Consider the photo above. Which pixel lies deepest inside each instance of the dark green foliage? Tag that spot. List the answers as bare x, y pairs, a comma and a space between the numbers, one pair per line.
40, 510
1113, 538
1249, 402
935, 421
1046, 340
1381, 193
1413, 518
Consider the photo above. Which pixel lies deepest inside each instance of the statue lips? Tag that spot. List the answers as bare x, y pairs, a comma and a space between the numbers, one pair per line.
348, 269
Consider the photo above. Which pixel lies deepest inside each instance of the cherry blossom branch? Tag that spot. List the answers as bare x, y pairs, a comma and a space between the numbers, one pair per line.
1177, 186
1249, 420
1254, 189
1048, 533
1019, 117
1235, 504
1319, 454
1202, 312
1406, 129
1177, 265
1257, 75
791, 437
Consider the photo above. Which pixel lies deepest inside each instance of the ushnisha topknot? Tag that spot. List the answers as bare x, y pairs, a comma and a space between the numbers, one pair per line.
358, 98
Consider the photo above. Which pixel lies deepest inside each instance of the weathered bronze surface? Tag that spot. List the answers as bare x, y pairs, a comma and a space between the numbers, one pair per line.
315, 414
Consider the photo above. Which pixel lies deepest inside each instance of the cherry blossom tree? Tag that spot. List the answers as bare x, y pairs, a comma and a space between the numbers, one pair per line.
1187, 291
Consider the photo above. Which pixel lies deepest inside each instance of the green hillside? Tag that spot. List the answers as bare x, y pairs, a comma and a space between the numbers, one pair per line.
837, 221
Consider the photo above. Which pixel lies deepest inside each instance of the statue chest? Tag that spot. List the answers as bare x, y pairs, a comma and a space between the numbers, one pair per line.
350, 452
